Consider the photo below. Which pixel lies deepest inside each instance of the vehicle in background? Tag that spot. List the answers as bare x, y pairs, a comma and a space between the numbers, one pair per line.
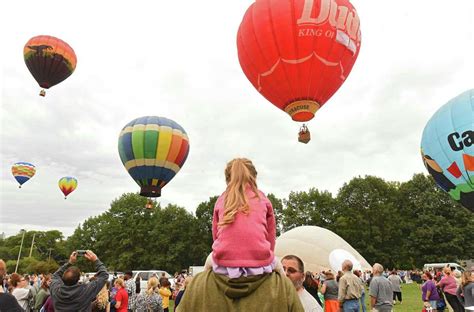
146, 275
195, 269
440, 266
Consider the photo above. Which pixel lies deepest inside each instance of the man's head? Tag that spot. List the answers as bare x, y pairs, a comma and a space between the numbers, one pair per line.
128, 275
71, 276
347, 266
294, 269
377, 269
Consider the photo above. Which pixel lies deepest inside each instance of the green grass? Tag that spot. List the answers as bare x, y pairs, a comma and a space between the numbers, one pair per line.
411, 295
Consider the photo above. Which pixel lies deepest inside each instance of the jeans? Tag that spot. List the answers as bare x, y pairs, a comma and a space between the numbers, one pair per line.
351, 305
362, 301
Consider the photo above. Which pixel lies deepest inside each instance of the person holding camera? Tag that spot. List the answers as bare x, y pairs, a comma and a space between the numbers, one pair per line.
66, 291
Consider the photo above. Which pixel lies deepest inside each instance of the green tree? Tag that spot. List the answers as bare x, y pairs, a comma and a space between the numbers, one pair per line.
309, 208
367, 219
435, 227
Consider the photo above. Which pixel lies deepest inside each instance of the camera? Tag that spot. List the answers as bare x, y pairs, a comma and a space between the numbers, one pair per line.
81, 252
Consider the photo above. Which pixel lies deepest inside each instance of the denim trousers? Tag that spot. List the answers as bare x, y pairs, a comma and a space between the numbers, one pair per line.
351, 306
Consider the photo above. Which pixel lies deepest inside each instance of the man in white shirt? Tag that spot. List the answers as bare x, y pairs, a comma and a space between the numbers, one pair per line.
294, 269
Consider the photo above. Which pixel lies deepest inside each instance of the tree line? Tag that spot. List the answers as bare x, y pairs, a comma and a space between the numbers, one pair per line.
400, 225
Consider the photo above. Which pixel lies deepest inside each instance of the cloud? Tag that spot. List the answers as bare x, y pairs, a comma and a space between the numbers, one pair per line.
179, 60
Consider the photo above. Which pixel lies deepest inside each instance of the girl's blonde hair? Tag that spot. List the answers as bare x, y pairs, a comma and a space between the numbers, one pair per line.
152, 286
239, 173
466, 278
119, 282
102, 298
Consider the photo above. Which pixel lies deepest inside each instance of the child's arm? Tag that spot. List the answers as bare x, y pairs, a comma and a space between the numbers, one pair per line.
215, 220
271, 226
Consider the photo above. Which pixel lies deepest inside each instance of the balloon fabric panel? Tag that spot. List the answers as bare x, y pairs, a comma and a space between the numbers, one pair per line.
447, 148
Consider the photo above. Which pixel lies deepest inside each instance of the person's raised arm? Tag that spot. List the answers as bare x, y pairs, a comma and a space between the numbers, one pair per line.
94, 287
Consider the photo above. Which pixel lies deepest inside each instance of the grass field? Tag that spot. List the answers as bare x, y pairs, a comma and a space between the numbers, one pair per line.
411, 295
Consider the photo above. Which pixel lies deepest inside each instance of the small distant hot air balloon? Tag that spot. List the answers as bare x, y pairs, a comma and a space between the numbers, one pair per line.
153, 149
23, 171
50, 60
298, 53
447, 148
67, 185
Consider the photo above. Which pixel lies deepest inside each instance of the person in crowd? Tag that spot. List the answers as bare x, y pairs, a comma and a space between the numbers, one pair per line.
66, 292
449, 287
121, 298
380, 291
7, 301
240, 270
131, 289
180, 294
150, 300
465, 292
243, 225
330, 292
429, 293
350, 290
48, 305
165, 293
43, 293
101, 302
358, 273
294, 269
20, 291
396, 283
311, 285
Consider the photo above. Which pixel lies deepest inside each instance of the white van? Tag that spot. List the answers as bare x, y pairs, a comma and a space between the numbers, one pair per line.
146, 275
438, 266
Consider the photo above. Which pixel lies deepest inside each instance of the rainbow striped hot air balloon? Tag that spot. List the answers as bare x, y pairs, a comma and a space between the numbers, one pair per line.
447, 148
23, 171
153, 149
67, 185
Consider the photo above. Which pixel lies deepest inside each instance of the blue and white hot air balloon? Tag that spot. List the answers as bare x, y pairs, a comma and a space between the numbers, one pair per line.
447, 148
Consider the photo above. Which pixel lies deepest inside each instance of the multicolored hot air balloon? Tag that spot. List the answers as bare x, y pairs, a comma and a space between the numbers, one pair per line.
297, 53
447, 148
50, 60
67, 185
153, 149
23, 171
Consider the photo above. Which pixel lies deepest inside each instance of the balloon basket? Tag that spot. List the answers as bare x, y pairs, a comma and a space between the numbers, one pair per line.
149, 204
304, 136
42, 93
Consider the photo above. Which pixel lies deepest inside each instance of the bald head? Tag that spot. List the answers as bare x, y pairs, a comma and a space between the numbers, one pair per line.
347, 265
71, 276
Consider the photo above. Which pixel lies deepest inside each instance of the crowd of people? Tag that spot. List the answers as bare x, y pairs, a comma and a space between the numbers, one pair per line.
242, 273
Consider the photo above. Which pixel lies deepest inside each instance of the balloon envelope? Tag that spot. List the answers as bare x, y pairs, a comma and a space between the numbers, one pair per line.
67, 185
338, 256
314, 244
49, 59
153, 149
298, 53
23, 171
447, 148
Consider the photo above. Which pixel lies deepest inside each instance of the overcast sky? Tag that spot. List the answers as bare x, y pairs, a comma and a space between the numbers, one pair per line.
178, 59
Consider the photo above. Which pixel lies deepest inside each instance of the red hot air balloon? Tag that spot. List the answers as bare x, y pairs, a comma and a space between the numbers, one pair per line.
297, 53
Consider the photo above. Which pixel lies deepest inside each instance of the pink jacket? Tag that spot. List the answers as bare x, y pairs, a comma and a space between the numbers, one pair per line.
250, 240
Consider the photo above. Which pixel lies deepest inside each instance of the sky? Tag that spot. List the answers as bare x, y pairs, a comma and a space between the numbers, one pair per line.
178, 59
